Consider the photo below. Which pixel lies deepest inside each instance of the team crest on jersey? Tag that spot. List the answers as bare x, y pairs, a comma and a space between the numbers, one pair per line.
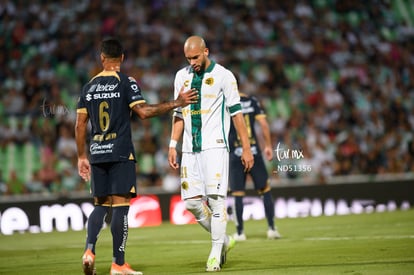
186, 83
209, 81
184, 185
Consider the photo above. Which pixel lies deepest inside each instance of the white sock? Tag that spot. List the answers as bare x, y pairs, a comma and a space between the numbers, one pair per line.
218, 225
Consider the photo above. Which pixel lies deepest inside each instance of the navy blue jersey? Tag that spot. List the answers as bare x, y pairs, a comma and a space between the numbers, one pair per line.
107, 99
251, 109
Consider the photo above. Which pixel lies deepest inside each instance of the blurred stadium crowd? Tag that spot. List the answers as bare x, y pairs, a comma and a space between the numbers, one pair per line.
335, 77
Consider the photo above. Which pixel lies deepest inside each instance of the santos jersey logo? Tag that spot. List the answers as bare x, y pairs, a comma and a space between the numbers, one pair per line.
187, 112
89, 97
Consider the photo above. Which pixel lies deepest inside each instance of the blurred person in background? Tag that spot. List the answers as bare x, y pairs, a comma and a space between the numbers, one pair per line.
48, 176
3, 184
65, 144
253, 113
15, 185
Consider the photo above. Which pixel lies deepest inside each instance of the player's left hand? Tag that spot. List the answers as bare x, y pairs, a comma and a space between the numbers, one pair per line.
84, 169
187, 97
268, 153
172, 158
247, 160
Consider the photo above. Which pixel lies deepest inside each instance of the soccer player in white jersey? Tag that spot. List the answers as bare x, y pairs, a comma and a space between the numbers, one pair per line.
204, 129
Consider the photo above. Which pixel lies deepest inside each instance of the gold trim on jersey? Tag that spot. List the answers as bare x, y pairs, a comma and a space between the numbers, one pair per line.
103, 204
106, 73
82, 111
136, 102
121, 204
260, 116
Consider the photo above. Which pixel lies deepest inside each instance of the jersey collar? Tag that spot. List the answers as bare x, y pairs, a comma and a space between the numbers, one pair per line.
208, 70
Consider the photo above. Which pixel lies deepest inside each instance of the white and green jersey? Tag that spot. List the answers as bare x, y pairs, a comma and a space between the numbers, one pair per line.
207, 123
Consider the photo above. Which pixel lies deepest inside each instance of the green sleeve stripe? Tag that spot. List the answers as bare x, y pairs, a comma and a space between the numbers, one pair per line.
235, 108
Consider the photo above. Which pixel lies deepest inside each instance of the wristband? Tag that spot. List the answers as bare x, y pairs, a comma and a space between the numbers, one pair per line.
173, 143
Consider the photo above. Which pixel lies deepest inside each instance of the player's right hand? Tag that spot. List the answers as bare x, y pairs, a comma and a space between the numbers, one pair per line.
172, 158
247, 160
187, 97
84, 169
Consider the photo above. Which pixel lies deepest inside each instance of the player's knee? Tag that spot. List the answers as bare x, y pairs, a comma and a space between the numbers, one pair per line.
199, 209
103, 201
192, 204
216, 203
264, 190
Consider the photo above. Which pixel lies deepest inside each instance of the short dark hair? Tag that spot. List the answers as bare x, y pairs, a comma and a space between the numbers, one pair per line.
112, 48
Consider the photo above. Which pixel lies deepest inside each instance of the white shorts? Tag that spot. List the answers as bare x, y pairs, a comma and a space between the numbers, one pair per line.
205, 173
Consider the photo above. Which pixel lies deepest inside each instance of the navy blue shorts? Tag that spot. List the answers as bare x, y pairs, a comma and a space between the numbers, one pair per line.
113, 178
237, 176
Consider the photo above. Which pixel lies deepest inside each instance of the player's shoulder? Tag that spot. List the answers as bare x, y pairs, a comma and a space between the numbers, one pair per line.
184, 70
125, 78
128, 81
90, 86
221, 69
223, 73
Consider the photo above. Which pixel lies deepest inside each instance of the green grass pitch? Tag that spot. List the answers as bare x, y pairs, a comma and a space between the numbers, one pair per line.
377, 243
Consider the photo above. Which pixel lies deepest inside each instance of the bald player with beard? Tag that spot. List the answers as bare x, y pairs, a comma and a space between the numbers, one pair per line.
204, 129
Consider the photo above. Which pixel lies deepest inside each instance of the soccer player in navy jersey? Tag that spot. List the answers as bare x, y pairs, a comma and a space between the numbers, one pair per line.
252, 113
106, 101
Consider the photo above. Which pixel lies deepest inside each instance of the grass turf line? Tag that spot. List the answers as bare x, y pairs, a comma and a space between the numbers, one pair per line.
377, 243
